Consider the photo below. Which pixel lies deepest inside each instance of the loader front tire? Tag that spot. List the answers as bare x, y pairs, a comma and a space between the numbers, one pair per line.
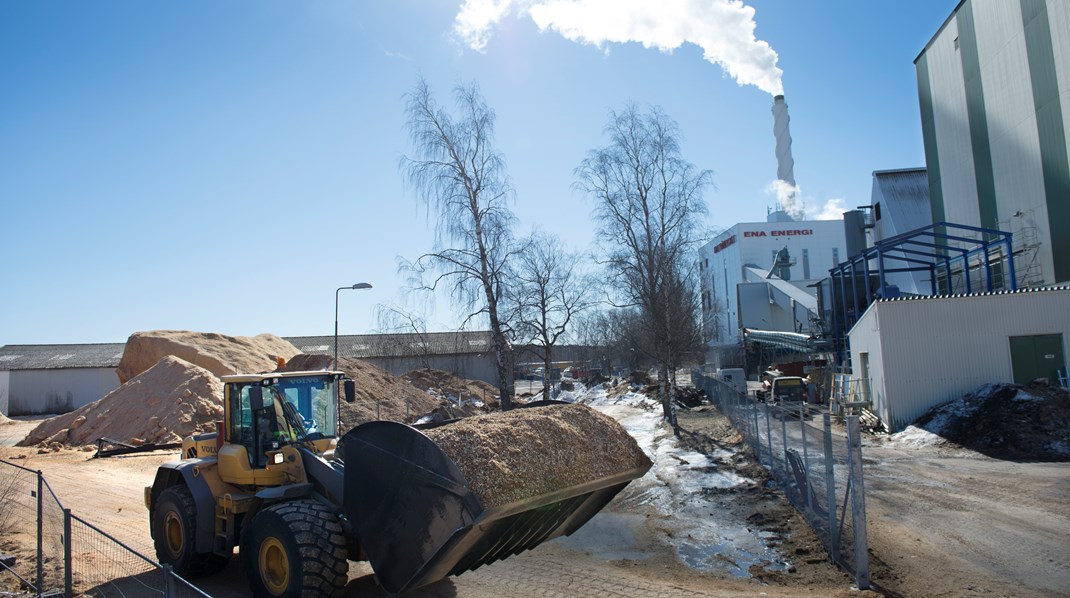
174, 530
293, 549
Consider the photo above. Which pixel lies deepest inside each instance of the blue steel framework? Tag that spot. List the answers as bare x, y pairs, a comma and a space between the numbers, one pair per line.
928, 249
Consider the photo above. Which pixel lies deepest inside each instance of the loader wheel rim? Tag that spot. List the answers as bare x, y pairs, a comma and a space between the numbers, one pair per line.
174, 534
274, 566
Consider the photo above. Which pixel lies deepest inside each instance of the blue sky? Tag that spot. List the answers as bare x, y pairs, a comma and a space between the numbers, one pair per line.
224, 166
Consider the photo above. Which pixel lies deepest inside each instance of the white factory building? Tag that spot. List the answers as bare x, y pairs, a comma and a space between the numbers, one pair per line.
994, 94
757, 275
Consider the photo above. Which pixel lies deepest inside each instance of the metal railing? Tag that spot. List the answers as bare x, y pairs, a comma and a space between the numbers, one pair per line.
817, 464
57, 553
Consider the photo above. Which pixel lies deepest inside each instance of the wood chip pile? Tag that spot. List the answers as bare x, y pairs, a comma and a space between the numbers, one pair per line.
169, 401
513, 456
218, 353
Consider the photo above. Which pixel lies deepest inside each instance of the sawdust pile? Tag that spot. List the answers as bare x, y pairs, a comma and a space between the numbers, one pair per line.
516, 455
169, 401
218, 353
1006, 421
4, 419
398, 400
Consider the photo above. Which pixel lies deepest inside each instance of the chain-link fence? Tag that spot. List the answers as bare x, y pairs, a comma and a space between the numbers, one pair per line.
52, 552
816, 463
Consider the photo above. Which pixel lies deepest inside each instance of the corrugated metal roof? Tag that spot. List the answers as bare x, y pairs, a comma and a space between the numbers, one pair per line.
107, 355
49, 357
984, 294
365, 346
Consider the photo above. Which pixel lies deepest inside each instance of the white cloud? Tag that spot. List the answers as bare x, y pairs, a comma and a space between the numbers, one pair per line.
397, 55
476, 18
724, 29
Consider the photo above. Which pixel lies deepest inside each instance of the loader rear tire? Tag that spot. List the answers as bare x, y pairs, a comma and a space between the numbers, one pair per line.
293, 549
174, 530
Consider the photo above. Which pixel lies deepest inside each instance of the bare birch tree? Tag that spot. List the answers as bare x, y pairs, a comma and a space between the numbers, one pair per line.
549, 292
648, 200
461, 178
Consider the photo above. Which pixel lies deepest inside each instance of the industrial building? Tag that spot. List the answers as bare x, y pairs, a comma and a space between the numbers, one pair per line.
969, 341
40, 379
994, 91
757, 275
975, 292
900, 203
469, 355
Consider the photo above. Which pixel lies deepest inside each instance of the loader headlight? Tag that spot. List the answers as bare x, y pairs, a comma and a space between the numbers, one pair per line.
277, 459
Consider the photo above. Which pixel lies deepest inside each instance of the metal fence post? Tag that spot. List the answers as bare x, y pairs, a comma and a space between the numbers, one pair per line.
68, 577
168, 580
806, 465
784, 435
830, 489
858, 503
768, 434
40, 533
756, 439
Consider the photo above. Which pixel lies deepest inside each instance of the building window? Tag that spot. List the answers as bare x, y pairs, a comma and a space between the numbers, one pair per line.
877, 211
806, 263
835, 256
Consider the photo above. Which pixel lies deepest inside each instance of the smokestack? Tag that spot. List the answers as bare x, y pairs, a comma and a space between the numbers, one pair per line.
785, 164
789, 208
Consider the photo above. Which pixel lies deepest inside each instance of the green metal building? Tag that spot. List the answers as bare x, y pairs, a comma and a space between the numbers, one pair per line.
994, 90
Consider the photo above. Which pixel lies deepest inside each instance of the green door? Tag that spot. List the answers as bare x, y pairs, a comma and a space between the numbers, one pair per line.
1039, 356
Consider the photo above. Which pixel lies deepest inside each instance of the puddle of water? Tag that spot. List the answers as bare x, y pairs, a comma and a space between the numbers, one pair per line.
608, 536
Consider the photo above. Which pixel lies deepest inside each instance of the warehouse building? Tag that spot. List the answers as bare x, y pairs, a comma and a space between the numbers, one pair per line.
912, 354
469, 355
994, 90
41, 379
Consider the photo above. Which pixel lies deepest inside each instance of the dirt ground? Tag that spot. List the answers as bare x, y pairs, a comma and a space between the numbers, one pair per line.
942, 522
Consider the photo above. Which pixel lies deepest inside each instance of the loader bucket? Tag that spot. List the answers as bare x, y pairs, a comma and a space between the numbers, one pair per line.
418, 520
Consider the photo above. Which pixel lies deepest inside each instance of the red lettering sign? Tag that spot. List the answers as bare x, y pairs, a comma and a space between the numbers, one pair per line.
717, 248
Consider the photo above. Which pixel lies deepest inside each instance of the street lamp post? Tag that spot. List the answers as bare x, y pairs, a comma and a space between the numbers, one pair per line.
359, 285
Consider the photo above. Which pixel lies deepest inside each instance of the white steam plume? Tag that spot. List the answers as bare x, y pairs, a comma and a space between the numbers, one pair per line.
833, 210
789, 197
724, 29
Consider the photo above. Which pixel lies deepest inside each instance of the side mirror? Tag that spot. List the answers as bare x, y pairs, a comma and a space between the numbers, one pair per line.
350, 390
256, 398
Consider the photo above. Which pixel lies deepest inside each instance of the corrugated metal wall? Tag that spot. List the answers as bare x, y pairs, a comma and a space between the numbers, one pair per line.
33, 392
470, 367
926, 352
5, 378
987, 123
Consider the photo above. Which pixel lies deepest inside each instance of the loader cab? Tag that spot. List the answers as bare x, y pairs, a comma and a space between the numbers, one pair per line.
266, 412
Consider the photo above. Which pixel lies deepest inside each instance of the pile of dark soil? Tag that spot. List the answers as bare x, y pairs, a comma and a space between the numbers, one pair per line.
689, 396
1007, 421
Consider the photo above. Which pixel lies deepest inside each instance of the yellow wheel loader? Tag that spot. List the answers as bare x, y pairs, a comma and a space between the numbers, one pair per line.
298, 502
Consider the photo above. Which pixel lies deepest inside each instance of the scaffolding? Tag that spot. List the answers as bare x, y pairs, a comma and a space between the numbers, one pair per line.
958, 258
